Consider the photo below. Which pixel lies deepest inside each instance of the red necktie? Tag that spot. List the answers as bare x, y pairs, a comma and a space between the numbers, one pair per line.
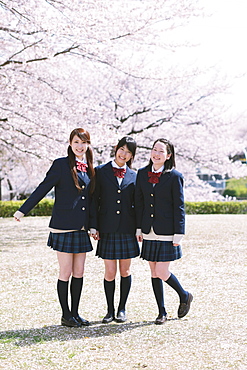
119, 172
81, 166
154, 177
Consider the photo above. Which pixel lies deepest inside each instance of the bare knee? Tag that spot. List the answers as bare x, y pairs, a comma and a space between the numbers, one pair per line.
78, 273
110, 270
124, 267
78, 265
162, 270
110, 275
124, 272
64, 275
164, 275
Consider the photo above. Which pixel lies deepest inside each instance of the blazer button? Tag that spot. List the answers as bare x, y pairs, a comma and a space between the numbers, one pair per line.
83, 208
118, 212
151, 194
151, 215
151, 205
82, 197
83, 187
118, 201
119, 191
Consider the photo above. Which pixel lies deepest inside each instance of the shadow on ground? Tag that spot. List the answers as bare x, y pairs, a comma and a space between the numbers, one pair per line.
27, 337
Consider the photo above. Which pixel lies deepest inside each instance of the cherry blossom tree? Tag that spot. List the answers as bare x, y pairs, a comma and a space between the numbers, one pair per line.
108, 66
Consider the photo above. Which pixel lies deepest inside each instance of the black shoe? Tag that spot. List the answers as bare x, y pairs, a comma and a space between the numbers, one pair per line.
121, 316
160, 319
72, 322
82, 321
184, 308
109, 317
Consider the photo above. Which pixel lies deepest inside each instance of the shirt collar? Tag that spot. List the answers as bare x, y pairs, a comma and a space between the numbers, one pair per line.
159, 170
114, 164
81, 161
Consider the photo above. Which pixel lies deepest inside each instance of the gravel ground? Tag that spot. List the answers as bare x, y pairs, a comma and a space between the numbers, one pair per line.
211, 336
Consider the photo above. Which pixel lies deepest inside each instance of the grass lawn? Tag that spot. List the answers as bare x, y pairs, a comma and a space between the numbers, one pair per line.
211, 336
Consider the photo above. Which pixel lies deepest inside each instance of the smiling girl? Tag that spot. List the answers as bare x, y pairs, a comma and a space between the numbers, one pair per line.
115, 223
73, 178
161, 222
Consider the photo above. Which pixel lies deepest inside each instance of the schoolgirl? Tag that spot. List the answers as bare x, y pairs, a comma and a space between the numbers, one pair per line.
115, 224
73, 178
159, 203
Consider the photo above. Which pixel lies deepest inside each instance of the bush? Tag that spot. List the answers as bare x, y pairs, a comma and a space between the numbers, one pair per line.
236, 188
43, 208
193, 208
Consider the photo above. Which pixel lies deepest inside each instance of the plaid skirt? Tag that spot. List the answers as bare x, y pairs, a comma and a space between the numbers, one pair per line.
71, 242
160, 251
116, 246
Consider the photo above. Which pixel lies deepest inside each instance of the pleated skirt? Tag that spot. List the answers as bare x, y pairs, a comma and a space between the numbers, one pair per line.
160, 251
116, 246
71, 242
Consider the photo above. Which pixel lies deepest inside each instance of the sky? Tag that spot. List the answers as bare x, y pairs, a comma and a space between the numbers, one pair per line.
222, 39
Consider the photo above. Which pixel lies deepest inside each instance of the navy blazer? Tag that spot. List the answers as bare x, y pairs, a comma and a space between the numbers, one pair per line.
113, 205
71, 207
160, 206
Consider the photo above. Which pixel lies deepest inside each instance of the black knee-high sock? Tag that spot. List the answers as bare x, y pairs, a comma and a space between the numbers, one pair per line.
175, 284
109, 287
157, 285
125, 285
62, 290
75, 291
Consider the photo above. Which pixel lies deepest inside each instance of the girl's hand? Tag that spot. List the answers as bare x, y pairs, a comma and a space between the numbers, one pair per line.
139, 235
18, 215
175, 245
94, 234
97, 236
139, 238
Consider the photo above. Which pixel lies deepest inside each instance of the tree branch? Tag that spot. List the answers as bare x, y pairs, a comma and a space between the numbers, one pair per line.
144, 110
66, 50
14, 146
9, 61
17, 31
13, 10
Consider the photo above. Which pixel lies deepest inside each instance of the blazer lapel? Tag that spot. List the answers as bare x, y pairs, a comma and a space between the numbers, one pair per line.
83, 178
128, 178
109, 174
163, 178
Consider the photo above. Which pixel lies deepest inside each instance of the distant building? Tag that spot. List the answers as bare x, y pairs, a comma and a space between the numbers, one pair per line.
240, 156
215, 180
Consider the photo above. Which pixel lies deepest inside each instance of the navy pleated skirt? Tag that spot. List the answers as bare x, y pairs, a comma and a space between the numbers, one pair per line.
116, 246
160, 251
71, 242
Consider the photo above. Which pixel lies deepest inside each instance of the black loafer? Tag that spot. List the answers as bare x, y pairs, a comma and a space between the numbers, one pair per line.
160, 319
82, 321
121, 316
184, 308
109, 317
72, 322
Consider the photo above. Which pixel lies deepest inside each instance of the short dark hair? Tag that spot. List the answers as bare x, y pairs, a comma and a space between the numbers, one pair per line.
131, 145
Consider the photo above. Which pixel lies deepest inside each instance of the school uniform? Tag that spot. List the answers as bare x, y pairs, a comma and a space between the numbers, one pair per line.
114, 213
70, 215
161, 218
160, 214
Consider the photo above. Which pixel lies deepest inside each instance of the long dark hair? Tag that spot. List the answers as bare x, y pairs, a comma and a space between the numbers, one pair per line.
169, 163
85, 136
131, 145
